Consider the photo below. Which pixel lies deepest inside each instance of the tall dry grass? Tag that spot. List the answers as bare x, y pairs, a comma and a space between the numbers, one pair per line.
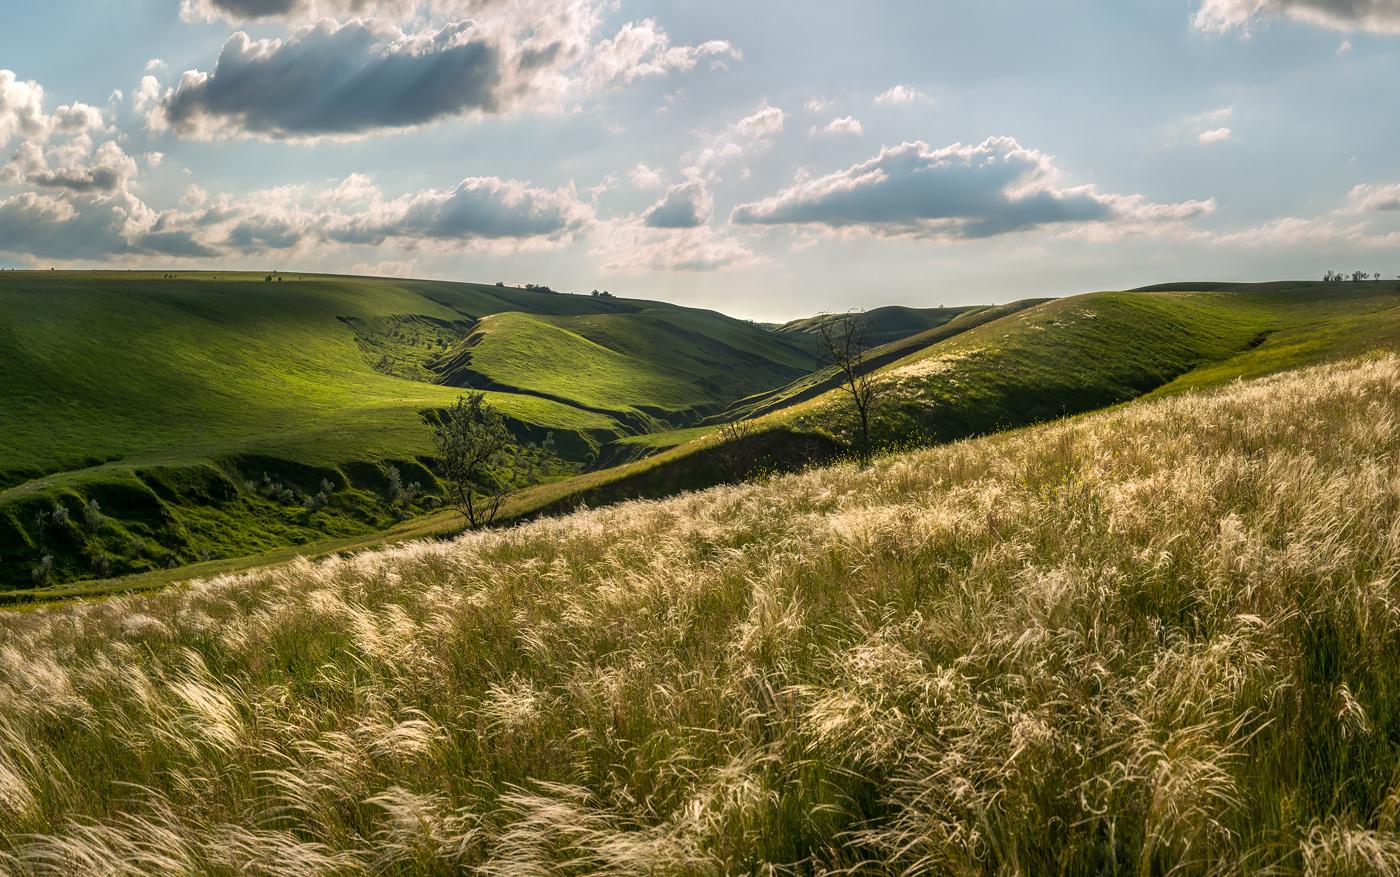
1164, 639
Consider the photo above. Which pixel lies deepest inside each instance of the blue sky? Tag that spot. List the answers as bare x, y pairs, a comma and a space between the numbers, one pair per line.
769, 159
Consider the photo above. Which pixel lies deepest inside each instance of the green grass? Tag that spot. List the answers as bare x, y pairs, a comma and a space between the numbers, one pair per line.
816, 383
1077, 354
188, 391
118, 383
1017, 365
649, 366
1154, 640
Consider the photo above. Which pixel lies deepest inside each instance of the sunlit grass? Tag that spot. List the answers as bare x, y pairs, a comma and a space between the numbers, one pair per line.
1156, 640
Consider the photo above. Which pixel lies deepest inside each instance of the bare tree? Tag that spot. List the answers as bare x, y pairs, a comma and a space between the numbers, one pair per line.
734, 446
846, 341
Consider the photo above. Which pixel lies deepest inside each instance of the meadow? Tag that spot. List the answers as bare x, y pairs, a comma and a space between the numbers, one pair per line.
1157, 639
214, 398
171, 417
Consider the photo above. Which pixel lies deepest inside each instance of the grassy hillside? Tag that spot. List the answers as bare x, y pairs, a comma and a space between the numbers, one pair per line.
985, 370
649, 367
1154, 640
1013, 366
890, 323
185, 408
1076, 354
816, 383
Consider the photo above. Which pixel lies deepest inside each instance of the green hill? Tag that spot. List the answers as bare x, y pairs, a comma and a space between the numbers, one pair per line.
1030, 362
190, 409
889, 323
1076, 354
1154, 640
653, 367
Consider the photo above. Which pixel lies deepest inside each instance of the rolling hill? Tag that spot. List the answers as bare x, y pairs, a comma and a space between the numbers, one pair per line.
1015, 366
178, 413
1153, 640
888, 323
187, 410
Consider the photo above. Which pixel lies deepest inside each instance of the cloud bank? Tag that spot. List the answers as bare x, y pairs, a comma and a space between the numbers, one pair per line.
334, 79
956, 193
1375, 16
348, 78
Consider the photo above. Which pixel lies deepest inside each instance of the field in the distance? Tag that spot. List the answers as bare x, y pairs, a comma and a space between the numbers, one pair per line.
162, 399
210, 397
1153, 640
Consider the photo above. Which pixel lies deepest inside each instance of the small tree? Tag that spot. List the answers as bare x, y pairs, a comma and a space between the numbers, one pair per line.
472, 438
846, 341
474, 446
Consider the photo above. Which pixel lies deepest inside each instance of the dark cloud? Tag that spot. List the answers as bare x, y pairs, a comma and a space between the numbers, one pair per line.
243, 9
255, 10
181, 244
94, 179
1377, 16
484, 208
963, 192
338, 80
684, 206
253, 235
51, 228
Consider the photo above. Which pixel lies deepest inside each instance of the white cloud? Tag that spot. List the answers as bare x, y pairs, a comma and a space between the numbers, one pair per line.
1207, 127
106, 169
899, 94
1375, 16
751, 133
644, 177
843, 125
956, 193
764, 123
1367, 198
21, 108
643, 49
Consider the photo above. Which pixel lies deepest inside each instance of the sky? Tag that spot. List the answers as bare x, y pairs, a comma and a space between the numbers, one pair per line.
766, 158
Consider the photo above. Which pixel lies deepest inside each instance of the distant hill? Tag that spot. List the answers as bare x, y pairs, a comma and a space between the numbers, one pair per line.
188, 408
890, 323
194, 419
1016, 365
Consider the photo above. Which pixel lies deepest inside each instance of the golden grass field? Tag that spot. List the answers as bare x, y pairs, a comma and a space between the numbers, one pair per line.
1160, 639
